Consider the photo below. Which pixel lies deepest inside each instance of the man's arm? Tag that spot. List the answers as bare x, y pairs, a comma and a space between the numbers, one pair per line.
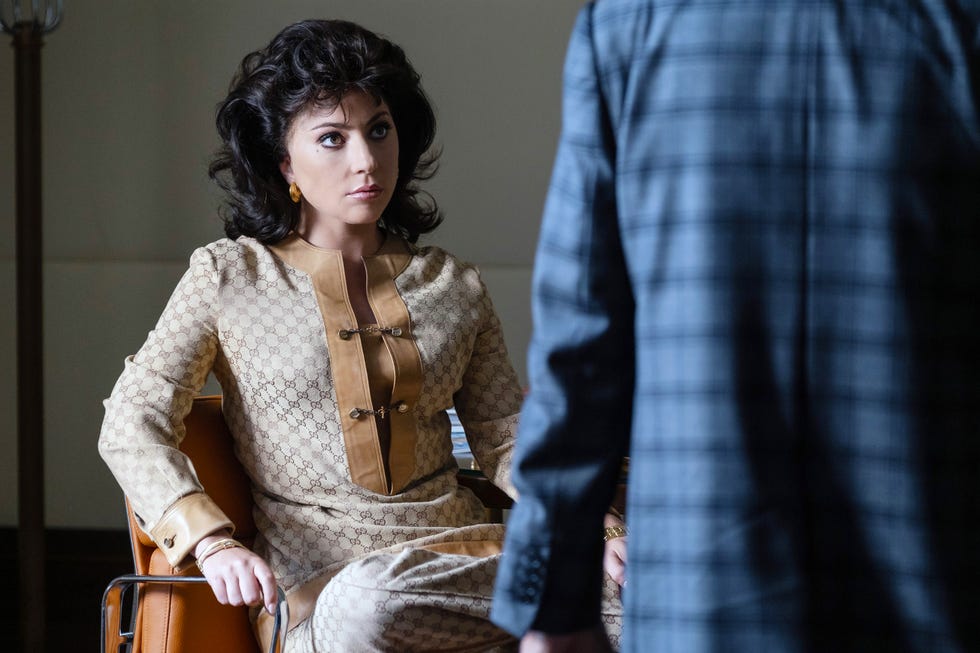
575, 423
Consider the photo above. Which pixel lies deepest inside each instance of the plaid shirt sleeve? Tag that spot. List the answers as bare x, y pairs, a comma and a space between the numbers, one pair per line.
575, 422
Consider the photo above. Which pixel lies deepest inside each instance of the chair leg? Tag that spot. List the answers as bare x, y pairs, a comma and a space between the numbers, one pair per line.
117, 639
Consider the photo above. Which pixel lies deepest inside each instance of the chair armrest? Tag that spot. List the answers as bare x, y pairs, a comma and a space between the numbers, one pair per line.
112, 606
492, 496
494, 500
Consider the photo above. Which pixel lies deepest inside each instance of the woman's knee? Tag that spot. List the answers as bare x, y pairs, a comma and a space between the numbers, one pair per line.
355, 611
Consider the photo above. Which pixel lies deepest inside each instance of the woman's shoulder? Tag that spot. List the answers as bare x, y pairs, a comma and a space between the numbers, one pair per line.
437, 256
229, 247
228, 253
438, 264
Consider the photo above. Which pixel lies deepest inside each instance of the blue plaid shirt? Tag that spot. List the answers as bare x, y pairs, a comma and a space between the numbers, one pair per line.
759, 275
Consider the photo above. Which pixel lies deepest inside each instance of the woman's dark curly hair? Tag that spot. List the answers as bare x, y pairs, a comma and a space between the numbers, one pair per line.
316, 62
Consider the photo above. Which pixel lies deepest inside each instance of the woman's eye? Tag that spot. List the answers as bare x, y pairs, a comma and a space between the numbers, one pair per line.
380, 130
333, 139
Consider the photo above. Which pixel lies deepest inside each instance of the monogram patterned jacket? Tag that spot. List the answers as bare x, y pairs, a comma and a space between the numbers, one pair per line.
274, 325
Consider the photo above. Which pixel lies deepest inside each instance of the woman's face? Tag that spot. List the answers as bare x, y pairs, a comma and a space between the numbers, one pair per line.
344, 160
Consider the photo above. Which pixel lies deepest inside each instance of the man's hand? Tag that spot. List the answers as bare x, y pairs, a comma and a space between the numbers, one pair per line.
582, 641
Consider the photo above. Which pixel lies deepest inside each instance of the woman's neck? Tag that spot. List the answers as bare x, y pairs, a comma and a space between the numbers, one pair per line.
353, 241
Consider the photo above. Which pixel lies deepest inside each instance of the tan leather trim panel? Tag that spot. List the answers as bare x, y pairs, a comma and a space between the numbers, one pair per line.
347, 357
182, 526
390, 310
475, 548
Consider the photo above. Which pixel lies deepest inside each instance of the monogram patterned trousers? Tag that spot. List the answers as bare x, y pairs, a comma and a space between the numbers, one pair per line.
416, 600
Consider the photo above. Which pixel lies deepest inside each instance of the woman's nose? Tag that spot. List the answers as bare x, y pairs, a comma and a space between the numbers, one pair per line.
364, 158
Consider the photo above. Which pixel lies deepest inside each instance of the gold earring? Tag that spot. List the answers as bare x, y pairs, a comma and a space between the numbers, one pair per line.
294, 192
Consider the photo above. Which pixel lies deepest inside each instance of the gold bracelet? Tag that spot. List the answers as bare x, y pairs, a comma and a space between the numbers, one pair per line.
214, 547
612, 532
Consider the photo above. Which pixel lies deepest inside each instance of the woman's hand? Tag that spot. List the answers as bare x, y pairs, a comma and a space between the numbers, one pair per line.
237, 576
614, 556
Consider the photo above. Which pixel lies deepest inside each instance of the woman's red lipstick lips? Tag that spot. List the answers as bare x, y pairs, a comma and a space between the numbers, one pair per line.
368, 192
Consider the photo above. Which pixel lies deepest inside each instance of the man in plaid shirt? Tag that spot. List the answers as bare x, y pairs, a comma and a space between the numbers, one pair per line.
759, 276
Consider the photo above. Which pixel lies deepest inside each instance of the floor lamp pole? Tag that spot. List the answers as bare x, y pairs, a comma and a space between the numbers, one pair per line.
27, 29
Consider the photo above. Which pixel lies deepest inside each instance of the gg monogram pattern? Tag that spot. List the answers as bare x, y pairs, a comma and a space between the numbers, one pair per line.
415, 599
396, 601
461, 344
254, 321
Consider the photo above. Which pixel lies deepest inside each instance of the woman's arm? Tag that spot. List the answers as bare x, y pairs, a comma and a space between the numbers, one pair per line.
489, 400
144, 420
144, 424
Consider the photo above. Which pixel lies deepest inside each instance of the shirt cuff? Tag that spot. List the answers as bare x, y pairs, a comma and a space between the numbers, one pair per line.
184, 524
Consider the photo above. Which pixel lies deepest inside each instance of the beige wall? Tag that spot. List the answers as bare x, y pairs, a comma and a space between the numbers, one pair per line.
129, 94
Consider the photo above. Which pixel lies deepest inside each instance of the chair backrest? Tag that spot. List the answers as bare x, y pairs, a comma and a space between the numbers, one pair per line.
183, 618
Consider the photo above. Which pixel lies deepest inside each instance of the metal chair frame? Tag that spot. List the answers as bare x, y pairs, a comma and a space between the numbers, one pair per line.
123, 584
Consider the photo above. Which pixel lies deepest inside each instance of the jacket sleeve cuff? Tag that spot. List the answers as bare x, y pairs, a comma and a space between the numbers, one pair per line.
184, 524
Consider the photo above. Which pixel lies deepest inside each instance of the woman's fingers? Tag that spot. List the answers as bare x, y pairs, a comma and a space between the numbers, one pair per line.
267, 581
614, 560
249, 588
218, 587
239, 577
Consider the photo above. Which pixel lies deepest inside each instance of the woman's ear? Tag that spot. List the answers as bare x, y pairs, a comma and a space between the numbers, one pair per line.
286, 168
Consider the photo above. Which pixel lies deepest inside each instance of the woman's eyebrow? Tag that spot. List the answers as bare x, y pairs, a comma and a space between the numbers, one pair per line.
344, 125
